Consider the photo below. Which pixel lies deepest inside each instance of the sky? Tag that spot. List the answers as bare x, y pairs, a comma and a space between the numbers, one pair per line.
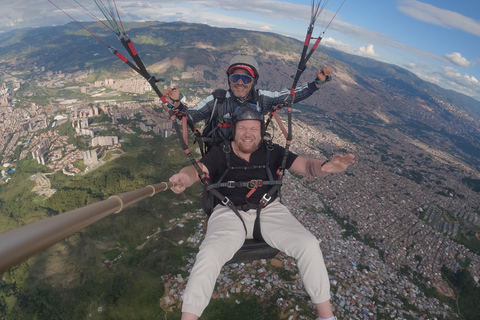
438, 40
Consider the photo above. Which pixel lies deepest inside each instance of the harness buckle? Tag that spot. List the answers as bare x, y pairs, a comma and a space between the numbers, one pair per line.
230, 184
265, 200
253, 184
226, 202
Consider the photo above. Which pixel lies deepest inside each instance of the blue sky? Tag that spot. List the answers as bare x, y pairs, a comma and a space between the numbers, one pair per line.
438, 40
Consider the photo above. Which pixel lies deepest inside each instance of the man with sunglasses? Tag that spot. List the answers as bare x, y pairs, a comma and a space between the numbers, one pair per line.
242, 73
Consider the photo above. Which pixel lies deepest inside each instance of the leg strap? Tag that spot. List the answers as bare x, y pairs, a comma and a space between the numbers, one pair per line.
257, 233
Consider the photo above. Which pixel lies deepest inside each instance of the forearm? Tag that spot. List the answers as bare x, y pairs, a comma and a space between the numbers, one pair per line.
198, 113
304, 91
202, 110
314, 169
320, 169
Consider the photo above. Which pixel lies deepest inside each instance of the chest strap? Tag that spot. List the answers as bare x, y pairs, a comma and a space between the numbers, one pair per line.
243, 184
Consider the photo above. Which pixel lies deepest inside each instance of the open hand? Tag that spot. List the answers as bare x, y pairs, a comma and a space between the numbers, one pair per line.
338, 163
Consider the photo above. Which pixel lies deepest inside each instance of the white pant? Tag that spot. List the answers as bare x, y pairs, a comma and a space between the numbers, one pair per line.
225, 235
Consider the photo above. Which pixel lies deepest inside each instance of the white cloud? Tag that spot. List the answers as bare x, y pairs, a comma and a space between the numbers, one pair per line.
454, 75
457, 59
277, 9
464, 83
31, 13
34, 13
367, 51
339, 45
434, 15
450, 78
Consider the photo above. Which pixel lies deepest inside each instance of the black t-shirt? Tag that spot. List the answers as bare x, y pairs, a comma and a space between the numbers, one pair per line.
216, 163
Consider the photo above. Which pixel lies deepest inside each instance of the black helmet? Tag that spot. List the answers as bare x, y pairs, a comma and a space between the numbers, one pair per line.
243, 62
248, 111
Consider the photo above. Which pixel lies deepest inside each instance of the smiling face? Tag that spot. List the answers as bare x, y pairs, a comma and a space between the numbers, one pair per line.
248, 135
241, 90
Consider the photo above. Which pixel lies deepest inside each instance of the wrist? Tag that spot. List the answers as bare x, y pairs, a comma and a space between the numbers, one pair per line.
177, 101
327, 79
322, 166
174, 105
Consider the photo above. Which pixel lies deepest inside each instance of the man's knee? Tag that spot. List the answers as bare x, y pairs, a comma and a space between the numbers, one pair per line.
310, 246
219, 252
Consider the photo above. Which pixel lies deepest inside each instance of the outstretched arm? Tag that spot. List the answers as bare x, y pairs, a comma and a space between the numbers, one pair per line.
186, 177
271, 99
314, 168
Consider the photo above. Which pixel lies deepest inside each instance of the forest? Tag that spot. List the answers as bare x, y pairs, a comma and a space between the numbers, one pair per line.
70, 280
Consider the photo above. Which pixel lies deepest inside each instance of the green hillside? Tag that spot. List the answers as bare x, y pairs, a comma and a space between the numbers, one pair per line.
69, 280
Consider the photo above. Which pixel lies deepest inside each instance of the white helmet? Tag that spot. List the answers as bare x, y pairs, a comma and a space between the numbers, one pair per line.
243, 62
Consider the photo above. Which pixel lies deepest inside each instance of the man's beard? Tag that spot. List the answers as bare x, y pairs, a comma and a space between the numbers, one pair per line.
246, 150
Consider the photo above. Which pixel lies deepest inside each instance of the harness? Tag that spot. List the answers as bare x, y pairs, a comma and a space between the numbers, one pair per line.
206, 140
253, 185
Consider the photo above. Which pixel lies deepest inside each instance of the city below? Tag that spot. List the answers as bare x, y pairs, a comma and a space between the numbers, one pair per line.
386, 226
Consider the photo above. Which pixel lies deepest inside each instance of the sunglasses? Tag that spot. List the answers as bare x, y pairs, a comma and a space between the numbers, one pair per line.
236, 77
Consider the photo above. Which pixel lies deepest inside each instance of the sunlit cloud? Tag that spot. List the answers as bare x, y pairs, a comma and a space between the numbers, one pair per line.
367, 51
457, 59
339, 45
30, 13
275, 9
464, 83
454, 75
441, 17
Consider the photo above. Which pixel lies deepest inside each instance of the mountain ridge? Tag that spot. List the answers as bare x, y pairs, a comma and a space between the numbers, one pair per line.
56, 47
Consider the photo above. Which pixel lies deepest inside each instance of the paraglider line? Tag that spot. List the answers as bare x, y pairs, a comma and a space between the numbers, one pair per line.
81, 25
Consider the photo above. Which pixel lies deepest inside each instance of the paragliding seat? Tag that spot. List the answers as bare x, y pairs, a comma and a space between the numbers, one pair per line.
253, 249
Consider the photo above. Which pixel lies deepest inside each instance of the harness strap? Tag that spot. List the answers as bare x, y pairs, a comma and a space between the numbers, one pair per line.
228, 203
203, 142
252, 167
226, 150
257, 232
267, 164
243, 184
